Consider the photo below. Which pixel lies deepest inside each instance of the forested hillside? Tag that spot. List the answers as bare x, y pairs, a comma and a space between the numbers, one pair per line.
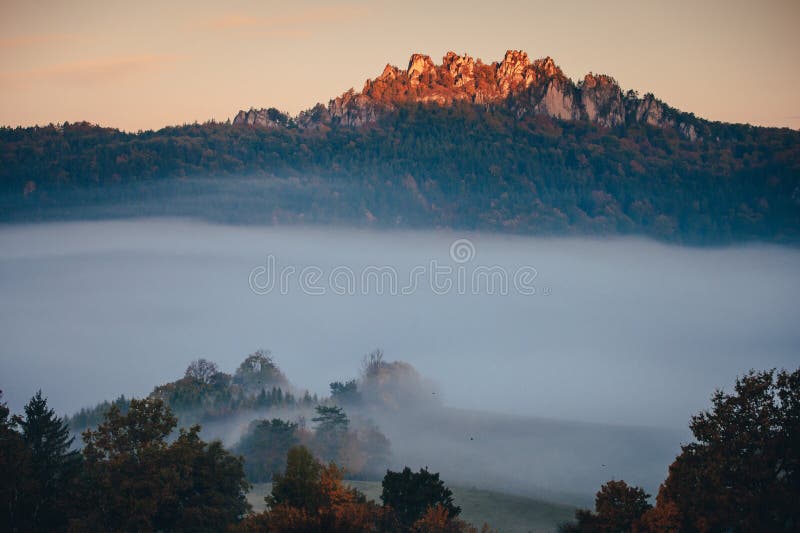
461, 166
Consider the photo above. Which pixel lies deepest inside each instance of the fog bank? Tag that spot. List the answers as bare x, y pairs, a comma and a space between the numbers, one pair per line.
617, 331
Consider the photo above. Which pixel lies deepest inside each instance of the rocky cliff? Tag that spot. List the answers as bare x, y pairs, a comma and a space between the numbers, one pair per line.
525, 86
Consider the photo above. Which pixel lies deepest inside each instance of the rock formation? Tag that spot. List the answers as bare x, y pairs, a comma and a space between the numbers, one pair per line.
525, 86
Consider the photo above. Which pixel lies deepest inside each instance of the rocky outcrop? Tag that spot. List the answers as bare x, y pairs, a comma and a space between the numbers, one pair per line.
420, 66
460, 68
525, 86
263, 118
602, 100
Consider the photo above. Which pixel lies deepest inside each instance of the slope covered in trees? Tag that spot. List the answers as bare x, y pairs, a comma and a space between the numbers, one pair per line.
420, 165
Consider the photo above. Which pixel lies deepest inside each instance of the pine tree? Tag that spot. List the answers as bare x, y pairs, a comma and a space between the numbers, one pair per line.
53, 464
13, 471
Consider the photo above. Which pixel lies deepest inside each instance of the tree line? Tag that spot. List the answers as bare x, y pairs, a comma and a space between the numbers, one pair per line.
137, 471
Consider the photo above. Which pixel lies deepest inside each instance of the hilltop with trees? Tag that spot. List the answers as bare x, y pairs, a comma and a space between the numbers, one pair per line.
511, 146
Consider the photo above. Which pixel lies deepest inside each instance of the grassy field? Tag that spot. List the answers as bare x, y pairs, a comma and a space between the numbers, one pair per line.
503, 512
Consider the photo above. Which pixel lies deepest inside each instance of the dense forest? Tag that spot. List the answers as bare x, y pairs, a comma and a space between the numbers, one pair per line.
462, 166
138, 469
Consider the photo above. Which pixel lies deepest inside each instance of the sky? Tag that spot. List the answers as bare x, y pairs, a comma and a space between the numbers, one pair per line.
145, 65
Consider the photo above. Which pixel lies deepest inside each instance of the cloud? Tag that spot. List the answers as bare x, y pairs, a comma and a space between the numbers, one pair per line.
90, 71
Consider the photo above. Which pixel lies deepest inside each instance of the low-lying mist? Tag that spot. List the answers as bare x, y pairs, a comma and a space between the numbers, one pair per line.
610, 333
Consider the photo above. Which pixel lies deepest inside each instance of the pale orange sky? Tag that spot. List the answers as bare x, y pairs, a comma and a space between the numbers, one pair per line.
141, 65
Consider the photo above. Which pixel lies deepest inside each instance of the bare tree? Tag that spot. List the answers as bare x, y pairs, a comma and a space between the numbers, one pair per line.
372, 363
202, 370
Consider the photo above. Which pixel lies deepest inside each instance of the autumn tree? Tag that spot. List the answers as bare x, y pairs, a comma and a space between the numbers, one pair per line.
665, 517
309, 496
437, 519
372, 363
136, 480
298, 485
742, 473
618, 507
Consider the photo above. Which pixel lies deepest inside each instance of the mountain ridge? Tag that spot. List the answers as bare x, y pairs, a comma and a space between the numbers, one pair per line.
462, 145
524, 86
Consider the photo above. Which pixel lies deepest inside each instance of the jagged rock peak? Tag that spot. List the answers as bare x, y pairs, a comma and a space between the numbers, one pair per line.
548, 67
389, 73
514, 63
516, 83
419, 65
265, 118
460, 68
592, 80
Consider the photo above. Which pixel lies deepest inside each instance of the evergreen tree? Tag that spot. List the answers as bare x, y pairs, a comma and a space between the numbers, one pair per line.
264, 447
332, 425
14, 462
411, 494
53, 464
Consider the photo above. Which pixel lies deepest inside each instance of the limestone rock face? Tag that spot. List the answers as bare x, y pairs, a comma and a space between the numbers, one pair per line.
650, 111
460, 68
389, 74
264, 118
353, 109
418, 66
524, 86
558, 101
602, 100
514, 73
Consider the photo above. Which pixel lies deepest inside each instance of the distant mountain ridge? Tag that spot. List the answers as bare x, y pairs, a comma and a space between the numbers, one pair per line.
512, 146
524, 86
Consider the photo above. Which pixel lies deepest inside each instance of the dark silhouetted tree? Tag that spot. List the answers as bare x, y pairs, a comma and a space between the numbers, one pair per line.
411, 494
53, 465
298, 485
743, 471
331, 433
136, 480
618, 507
345, 393
265, 446
14, 473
